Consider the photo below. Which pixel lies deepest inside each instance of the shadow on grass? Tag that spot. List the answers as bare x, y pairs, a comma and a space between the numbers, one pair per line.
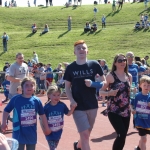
145, 11
91, 32
106, 137
116, 12
145, 30
2, 53
42, 7
74, 7
41, 34
98, 31
109, 14
61, 35
31, 34
137, 30
83, 33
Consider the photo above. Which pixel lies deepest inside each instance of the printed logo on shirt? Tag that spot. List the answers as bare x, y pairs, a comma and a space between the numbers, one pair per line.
22, 70
142, 107
55, 122
28, 115
83, 73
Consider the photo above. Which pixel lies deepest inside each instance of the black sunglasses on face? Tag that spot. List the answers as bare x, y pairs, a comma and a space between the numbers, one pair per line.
121, 60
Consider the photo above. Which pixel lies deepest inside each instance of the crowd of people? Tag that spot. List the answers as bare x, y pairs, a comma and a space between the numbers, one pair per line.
81, 80
143, 23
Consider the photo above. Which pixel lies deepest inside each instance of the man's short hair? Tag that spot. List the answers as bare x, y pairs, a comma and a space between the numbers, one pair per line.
79, 42
18, 54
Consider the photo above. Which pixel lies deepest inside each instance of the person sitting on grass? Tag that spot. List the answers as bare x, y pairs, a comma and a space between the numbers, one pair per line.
94, 27
34, 28
137, 25
147, 24
46, 29
87, 27
142, 24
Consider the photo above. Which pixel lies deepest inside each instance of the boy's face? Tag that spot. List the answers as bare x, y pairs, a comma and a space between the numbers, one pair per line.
81, 50
145, 87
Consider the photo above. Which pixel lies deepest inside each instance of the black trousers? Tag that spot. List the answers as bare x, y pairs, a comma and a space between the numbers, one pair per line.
121, 126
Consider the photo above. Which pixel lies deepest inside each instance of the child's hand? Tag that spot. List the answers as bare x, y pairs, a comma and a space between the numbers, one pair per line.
113, 92
72, 107
148, 104
133, 112
4, 127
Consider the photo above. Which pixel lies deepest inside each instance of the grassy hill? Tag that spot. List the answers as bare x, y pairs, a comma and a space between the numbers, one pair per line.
57, 45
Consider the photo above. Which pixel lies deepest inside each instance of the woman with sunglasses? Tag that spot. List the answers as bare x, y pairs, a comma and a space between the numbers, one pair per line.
118, 109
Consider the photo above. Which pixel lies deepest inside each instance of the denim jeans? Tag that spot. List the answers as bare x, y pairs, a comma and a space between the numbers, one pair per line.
5, 46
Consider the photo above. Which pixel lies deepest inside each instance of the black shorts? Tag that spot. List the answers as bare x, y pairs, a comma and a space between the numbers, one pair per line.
143, 132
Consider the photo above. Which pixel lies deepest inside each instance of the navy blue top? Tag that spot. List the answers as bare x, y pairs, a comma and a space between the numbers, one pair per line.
55, 117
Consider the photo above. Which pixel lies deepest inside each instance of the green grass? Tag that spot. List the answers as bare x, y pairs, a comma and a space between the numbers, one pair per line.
57, 45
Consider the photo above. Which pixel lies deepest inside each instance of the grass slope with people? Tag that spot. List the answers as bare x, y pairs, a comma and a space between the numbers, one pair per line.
56, 45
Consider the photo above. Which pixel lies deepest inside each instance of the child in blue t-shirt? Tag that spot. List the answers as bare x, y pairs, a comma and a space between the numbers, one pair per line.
141, 109
6, 85
54, 111
103, 21
25, 108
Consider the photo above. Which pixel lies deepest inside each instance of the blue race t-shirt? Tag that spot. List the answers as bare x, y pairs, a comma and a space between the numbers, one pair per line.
133, 70
25, 118
141, 69
49, 75
55, 117
76, 74
142, 118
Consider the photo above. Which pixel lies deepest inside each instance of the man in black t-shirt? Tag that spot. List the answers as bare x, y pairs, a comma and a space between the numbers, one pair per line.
80, 95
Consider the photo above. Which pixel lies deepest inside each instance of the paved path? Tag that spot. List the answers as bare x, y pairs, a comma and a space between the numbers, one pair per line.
102, 136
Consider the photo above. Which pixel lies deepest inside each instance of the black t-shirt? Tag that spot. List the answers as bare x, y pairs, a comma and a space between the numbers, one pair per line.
76, 74
4, 68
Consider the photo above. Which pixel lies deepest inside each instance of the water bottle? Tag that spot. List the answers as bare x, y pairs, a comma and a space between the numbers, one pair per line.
132, 94
13, 144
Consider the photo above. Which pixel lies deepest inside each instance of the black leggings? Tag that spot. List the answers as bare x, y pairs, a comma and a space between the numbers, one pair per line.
121, 126
28, 146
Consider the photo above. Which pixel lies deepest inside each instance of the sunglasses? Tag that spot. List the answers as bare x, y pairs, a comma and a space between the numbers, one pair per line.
130, 56
121, 60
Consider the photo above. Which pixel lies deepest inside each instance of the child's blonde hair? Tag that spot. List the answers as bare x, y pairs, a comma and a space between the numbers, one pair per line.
145, 78
19, 87
27, 79
51, 89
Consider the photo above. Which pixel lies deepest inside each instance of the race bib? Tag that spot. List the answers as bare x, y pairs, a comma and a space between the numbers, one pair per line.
55, 123
142, 107
28, 117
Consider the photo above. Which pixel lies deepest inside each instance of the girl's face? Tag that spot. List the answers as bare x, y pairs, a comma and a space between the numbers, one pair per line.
28, 88
19, 91
54, 97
